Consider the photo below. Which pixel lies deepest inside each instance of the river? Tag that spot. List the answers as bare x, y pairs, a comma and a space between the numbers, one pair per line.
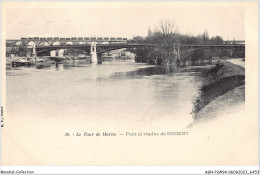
136, 93
44, 104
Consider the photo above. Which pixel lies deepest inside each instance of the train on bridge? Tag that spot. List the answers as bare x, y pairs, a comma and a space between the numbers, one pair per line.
77, 38
50, 41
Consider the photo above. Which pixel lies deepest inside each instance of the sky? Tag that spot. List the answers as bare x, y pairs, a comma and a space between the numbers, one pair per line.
121, 19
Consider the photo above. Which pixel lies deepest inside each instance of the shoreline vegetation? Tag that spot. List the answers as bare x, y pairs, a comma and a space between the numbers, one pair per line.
222, 91
168, 39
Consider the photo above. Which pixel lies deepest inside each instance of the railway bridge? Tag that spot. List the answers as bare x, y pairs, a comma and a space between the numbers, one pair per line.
94, 46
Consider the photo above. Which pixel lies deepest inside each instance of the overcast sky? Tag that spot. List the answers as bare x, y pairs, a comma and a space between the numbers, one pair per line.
121, 20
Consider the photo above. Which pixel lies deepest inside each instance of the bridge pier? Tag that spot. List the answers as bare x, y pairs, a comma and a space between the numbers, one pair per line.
93, 53
34, 51
176, 53
231, 52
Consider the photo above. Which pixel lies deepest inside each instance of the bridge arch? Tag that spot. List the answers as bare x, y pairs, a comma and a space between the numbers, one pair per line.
43, 43
82, 43
68, 43
56, 43
105, 42
18, 43
57, 48
30, 43
108, 48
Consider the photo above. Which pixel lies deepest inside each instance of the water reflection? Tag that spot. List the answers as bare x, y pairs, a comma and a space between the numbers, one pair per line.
73, 64
42, 66
156, 70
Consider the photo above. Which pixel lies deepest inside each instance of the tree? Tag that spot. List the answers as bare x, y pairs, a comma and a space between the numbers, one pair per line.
138, 39
168, 29
149, 33
216, 40
205, 37
166, 39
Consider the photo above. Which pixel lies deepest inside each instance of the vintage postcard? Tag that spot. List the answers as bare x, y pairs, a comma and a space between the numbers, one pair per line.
129, 83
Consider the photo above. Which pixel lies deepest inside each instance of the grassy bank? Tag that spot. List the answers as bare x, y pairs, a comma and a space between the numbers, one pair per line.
222, 87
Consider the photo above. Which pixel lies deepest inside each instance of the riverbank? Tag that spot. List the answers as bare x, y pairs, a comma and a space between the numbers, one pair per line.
222, 92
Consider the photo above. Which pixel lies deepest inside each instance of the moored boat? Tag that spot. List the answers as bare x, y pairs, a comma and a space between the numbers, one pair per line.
21, 62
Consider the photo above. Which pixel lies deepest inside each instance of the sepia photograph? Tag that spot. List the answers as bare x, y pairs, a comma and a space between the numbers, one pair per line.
129, 83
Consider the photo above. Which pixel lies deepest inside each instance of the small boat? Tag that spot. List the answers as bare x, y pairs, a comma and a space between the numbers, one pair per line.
21, 62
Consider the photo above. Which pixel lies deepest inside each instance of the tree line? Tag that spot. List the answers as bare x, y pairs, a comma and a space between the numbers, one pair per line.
166, 38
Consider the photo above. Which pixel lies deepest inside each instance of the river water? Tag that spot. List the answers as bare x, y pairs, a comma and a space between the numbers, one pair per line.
138, 94
44, 103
